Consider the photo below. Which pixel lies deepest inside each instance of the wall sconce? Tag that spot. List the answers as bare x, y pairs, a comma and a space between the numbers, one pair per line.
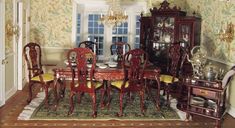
227, 34
12, 29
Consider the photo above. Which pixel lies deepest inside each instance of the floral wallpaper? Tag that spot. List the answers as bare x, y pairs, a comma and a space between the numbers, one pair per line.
215, 14
51, 22
8, 19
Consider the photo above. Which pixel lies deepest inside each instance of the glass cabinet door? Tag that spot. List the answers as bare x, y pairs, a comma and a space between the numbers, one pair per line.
184, 35
163, 33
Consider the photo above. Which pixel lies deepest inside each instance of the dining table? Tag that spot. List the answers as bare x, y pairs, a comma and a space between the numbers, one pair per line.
108, 74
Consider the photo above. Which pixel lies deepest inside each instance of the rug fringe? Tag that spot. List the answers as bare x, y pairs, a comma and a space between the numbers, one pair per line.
29, 109
180, 113
173, 105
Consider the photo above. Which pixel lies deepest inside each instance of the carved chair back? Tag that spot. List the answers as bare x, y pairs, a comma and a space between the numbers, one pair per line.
79, 59
175, 57
119, 49
32, 55
134, 64
91, 45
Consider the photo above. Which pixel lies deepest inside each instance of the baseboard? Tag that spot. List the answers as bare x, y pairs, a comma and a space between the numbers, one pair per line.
231, 111
10, 93
1, 103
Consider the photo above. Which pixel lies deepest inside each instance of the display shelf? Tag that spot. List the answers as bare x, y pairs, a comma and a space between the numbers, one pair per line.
213, 97
168, 25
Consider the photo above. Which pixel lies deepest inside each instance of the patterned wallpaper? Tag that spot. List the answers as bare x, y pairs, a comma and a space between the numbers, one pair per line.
215, 14
8, 19
51, 22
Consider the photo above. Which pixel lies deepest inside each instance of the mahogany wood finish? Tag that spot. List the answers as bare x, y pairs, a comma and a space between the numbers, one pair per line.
12, 109
153, 75
78, 59
134, 63
32, 55
209, 90
167, 25
108, 75
173, 69
116, 48
91, 45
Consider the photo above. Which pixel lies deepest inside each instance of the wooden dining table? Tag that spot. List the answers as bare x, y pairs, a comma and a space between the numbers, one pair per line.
63, 72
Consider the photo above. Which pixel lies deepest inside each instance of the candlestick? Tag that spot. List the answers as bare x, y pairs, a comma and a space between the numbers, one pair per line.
94, 48
124, 49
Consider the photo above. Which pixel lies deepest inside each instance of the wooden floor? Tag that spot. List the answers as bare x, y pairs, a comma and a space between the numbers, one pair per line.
10, 111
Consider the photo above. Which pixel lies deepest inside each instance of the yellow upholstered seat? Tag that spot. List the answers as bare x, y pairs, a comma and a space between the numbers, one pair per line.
32, 54
46, 77
168, 79
97, 84
119, 83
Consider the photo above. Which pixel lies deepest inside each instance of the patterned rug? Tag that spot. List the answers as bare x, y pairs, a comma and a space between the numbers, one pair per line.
37, 111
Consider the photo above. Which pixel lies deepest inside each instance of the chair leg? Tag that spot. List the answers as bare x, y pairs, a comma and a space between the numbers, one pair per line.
80, 94
109, 97
62, 88
121, 102
71, 108
55, 87
46, 95
30, 92
102, 98
93, 96
147, 88
142, 101
167, 94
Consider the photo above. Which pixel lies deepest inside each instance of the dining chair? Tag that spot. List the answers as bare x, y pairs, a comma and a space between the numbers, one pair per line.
118, 49
89, 44
32, 55
82, 63
134, 63
170, 78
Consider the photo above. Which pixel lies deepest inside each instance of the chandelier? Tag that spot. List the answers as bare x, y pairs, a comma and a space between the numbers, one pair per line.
115, 16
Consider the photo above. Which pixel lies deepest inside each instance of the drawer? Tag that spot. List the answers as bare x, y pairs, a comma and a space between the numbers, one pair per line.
205, 93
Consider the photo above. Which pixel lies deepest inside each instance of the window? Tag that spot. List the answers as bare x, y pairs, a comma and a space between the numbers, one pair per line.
88, 26
137, 32
96, 31
78, 31
120, 33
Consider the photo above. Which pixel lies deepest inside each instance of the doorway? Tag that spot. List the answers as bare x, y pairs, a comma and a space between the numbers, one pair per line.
2, 52
11, 75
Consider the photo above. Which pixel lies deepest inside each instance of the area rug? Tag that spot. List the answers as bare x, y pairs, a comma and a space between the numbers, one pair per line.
37, 111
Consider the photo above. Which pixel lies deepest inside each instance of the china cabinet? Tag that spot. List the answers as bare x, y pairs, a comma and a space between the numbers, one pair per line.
165, 26
207, 99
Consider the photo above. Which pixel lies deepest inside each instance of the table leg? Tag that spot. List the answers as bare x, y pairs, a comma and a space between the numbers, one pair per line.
108, 93
55, 92
158, 93
102, 95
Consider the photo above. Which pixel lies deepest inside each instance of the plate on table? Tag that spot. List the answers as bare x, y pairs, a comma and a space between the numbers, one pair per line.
112, 65
89, 65
98, 64
102, 66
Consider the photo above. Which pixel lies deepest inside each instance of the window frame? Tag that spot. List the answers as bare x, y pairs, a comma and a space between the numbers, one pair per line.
101, 7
